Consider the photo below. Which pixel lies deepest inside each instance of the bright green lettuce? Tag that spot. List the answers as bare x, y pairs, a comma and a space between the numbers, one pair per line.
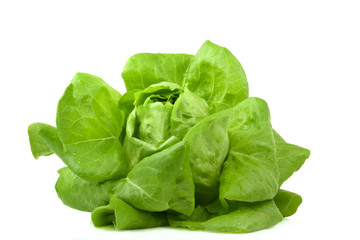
185, 146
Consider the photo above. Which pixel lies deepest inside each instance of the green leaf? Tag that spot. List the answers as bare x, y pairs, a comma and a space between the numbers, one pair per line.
160, 92
80, 194
290, 157
145, 69
241, 218
217, 76
153, 110
160, 182
188, 110
123, 216
44, 140
153, 123
89, 125
208, 145
136, 149
194, 221
126, 106
216, 207
287, 202
249, 217
148, 128
250, 172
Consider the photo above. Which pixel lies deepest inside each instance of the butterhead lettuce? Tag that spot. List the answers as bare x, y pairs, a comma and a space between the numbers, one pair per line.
185, 146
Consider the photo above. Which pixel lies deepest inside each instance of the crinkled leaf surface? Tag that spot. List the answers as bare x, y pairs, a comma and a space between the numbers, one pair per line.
80, 194
188, 110
287, 202
250, 172
217, 76
160, 182
153, 110
148, 128
144, 69
123, 216
160, 92
44, 140
208, 145
89, 125
136, 149
290, 157
153, 122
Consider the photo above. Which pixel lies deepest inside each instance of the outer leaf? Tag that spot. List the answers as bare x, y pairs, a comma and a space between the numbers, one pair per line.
287, 202
89, 124
126, 106
208, 145
188, 110
289, 156
241, 218
217, 76
195, 221
80, 194
123, 216
44, 140
160, 182
250, 172
247, 218
145, 69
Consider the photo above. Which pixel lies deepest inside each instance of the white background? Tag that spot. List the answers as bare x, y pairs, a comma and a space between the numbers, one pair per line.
302, 57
